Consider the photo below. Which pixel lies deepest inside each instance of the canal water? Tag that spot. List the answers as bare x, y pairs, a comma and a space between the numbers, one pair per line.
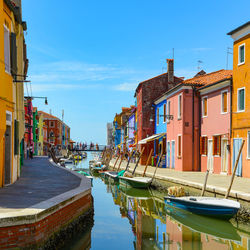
139, 219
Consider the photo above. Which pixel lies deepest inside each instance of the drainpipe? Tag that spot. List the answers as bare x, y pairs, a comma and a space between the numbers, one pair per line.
230, 132
199, 106
193, 88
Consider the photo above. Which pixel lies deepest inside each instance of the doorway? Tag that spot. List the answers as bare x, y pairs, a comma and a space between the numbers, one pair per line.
210, 156
8, 154
224, 156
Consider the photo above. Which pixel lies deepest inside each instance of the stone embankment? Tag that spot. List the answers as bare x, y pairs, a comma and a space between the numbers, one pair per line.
193, 183
44, 207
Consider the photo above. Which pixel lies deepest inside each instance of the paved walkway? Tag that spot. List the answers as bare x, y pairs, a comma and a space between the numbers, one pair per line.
39, 181
216, 182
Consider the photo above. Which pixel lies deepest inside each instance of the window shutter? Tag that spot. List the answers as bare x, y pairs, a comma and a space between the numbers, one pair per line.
225, 102
16, 137
213, 145
219, 145
205, 147
13, 53
201, 145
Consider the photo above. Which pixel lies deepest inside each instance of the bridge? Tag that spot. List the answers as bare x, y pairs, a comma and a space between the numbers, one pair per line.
89, 148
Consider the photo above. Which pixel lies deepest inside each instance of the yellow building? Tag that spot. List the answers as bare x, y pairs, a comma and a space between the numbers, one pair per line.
240, 98
10, 96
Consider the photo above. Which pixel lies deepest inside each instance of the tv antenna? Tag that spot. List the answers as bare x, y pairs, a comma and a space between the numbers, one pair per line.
229, 52
199, 62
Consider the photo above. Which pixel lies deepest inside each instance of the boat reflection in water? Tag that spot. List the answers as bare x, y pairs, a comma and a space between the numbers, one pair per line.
156, 226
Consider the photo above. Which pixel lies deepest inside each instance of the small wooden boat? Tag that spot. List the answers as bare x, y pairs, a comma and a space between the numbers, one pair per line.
135, 182
209, 206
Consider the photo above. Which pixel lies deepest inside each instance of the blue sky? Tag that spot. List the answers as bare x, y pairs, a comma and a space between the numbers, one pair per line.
88, 56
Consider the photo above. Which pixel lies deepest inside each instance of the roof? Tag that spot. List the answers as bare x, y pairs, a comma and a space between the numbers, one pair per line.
239, 28
159, 76
209, 78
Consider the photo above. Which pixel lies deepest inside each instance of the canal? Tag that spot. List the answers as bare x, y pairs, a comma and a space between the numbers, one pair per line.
138, 219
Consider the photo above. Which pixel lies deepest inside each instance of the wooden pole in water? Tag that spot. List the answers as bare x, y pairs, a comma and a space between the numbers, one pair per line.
234, 171
130, 156
138, 161
150, 154
205, 184
158, 163
122, 156
116, 161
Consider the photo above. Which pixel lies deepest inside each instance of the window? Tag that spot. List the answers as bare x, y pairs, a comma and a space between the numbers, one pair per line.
241, 100
157, 116
7, 49
241, 54
179, 106
52, 124
165, 113
248, 144
179, 146
168, 110
217, 145
224, 102
203, 145
204, 106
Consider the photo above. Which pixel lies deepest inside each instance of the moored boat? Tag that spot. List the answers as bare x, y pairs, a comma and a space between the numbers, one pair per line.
209, 206
135, 182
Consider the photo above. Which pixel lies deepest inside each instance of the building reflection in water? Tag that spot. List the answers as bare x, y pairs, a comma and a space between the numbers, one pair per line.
157, 227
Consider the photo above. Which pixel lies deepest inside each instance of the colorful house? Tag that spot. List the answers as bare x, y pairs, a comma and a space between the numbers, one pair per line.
183, 130
11, 128
117, 130
160, 124
215, 100
132, 129
28, 137
145, 94
240, 98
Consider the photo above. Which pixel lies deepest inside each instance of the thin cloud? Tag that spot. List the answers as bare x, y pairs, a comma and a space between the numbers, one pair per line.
126, 86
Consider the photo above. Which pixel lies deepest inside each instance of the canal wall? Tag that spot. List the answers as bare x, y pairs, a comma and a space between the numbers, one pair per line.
48, 224
193, 183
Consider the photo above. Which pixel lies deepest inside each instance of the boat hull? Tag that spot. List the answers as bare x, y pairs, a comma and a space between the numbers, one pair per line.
223, 212
131, 182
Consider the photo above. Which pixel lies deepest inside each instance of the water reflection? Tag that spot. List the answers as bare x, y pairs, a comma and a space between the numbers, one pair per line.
138, 219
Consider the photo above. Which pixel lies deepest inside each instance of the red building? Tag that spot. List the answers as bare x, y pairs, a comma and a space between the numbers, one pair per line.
28, 136
55, 133
146, 93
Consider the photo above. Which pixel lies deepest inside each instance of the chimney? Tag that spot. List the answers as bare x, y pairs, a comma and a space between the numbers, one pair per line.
170, 63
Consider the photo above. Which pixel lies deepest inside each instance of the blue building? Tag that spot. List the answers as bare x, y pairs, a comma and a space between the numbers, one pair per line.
117, 134
160, 107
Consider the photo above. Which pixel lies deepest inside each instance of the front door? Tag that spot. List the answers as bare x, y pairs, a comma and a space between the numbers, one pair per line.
173, 154
7, 159
224, 156
210, 156
236, 148
168, 154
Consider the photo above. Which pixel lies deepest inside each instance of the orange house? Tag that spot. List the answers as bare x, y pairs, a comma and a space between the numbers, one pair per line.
240, 98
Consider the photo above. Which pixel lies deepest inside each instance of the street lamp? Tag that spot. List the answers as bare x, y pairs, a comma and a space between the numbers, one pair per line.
39, 97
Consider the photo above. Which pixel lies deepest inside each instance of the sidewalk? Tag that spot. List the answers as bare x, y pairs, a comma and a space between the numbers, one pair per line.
216, 183
41, 186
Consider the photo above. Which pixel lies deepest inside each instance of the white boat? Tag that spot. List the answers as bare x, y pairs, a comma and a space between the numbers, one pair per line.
210, 206
136, 182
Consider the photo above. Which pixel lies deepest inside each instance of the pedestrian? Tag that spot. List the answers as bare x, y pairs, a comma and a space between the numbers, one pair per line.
31, 152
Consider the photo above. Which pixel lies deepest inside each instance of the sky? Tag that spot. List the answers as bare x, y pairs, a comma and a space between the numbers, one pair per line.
88, 56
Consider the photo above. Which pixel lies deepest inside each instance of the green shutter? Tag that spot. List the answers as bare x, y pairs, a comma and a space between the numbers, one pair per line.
242, 99
13, 55
242, 54
16, 138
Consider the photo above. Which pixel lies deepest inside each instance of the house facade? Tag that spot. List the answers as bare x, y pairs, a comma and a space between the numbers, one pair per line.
240, 99
215, 100
145, 94
160, 106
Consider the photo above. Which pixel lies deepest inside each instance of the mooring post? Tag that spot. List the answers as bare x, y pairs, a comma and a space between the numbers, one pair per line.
234, 171
205, 183
150, 154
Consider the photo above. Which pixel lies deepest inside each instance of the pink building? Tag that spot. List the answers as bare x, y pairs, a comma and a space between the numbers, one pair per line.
183, 130
215, 124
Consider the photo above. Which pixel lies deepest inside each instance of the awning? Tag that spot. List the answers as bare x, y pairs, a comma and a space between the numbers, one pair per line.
151, 138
